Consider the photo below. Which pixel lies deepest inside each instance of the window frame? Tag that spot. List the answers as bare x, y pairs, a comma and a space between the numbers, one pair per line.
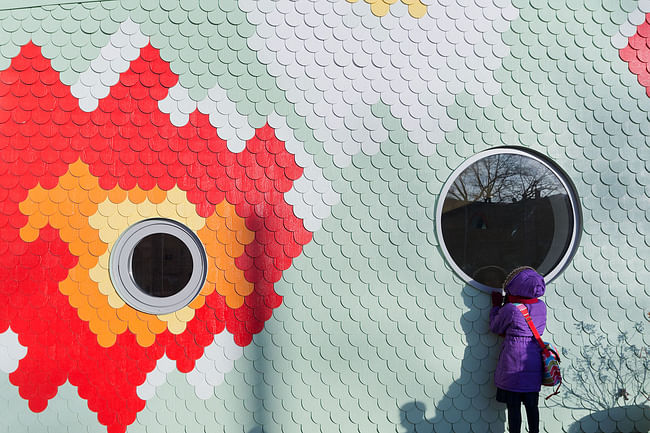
121, 273
560, 174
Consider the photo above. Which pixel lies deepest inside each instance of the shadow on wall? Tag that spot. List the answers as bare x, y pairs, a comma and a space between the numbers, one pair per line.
469, 404
608, 375
625, 419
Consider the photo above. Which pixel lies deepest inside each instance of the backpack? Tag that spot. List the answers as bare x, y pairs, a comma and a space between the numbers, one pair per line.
551, 375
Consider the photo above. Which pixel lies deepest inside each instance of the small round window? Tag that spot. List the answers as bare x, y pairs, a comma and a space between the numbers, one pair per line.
505, 208
158, 266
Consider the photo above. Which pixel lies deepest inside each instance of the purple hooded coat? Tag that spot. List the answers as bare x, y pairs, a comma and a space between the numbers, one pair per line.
520, 363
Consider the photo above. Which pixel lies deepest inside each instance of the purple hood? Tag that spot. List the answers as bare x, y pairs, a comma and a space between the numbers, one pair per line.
527, 284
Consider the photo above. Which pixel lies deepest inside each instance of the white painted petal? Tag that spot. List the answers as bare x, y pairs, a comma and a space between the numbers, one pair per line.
11, 351
114, 59
644, 6
204, 391
146, 391
636, 17
619, 41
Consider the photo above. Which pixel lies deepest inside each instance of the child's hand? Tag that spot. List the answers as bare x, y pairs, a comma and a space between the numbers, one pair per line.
497, 299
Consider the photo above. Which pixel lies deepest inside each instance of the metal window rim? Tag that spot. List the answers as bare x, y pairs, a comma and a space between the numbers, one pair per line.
121, 274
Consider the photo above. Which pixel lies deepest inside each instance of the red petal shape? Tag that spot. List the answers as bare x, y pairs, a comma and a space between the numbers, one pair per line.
128, 141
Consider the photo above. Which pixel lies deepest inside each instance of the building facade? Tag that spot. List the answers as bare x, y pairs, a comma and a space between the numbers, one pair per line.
288, 216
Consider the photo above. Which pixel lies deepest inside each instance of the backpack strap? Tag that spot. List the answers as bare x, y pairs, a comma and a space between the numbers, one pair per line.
531, 325
545, 350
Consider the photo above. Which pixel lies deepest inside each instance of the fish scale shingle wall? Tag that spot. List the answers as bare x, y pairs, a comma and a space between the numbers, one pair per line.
306, 143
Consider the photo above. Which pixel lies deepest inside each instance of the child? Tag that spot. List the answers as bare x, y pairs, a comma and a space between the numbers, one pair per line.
518, 375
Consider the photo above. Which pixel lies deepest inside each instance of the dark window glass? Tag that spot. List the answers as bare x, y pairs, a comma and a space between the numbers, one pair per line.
161, 265
506, 210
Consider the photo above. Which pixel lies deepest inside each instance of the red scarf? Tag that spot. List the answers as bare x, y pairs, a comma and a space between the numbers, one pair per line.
520, 299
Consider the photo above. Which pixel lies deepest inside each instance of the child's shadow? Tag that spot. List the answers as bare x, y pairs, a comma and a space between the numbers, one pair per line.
469, 403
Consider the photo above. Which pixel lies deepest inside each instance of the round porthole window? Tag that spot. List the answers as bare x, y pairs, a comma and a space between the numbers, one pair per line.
504, 208
158, 266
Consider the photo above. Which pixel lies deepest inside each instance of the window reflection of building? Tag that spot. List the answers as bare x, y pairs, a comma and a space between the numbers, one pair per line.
521, 232
479, 221
161, 265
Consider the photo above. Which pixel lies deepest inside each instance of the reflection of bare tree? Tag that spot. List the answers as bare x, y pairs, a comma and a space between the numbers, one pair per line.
504, 178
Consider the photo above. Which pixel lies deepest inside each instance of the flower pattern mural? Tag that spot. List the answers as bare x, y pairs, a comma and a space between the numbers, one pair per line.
305, 144
78, 180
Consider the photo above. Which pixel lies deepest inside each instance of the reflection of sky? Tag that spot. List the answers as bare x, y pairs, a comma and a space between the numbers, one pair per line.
505, 178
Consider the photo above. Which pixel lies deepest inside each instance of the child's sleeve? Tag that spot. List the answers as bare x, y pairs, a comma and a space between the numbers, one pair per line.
500, 319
